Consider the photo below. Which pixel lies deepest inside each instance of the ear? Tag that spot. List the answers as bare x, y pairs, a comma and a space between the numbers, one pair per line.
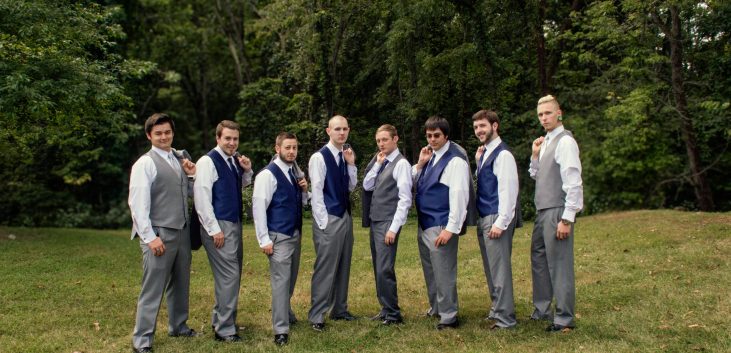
395, 139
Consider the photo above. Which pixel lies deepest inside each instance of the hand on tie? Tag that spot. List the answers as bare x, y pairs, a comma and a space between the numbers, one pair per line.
478, 154
424, 157
536, 148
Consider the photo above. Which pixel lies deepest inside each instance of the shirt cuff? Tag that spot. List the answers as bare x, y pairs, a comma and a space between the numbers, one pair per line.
500, 223
569, 215
214, 230
453, 228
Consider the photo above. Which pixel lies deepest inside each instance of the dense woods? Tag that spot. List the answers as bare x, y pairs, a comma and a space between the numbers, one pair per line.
645, 87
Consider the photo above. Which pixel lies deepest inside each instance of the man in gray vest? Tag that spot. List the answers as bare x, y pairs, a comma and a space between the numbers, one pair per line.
556, 167
497, 196
443, 182
222, 173
158, 201
386, 201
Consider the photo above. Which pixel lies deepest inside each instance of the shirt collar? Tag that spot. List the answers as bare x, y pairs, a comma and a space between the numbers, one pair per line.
334, 150
440, 152
223, 154
164, 154
391, 156
555, 132
284, 166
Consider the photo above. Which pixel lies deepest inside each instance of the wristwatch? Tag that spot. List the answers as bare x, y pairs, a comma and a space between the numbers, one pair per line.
566, 222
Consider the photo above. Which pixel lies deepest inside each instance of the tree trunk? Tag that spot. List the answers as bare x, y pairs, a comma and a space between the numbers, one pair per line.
541, 49
703, 195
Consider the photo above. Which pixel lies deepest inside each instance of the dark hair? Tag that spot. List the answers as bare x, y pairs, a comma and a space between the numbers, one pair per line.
437, 122
490, 115
158, 119
284, 136
228, 124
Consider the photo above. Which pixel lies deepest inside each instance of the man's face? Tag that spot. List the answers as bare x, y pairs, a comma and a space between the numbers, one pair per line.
228, 141
338, 131
483, 130
287, 151
385, 142
548, 114
435, 138
161, 136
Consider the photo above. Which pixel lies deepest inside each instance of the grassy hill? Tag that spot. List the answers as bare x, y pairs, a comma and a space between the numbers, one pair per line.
646, 281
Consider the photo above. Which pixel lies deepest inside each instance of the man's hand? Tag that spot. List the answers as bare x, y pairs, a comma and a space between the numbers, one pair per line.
390, 238
380, 157
424, 157
494, 232
157, 247
188, 167
218, 240
303, 184
349, 156
478, 154
562, 231
443, 237
245, 163
536, 148
268, 250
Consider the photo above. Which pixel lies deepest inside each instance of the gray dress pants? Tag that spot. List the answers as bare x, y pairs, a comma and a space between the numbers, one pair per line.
284, 265
226, 266
333, 251
440, 273
496, 254
552, 267
384, 259
168, 274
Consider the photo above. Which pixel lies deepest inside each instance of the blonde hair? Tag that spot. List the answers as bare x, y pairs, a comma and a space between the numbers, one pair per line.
547, 99
388, 128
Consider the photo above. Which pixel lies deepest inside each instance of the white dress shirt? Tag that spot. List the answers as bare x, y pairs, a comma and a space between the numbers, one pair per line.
205, 176
567, 157
456, 177
402, 175
264, 188
141, 177
317, 170
506, 171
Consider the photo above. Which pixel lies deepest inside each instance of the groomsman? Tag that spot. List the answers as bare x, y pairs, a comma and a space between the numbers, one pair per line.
222, 173
158, 202
280, 191
556, 167
497, 206
334, 175
442, 196
386, 205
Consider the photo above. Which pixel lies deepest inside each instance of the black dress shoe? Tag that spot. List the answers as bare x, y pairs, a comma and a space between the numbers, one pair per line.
389, 322
189, 333
228, 339
454, 324
281, 339
293, 321
345, 317
142, 350
318, 327
558, 328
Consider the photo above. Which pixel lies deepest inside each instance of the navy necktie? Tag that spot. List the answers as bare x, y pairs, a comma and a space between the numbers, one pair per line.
343, 169
482, 158
383, 166
232, 166
292, 178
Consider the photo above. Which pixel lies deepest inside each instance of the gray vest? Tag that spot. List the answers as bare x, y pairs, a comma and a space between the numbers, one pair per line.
549, 192
385, 194
168, 195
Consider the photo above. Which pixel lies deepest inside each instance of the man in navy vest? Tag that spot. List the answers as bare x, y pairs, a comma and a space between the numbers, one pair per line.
497, 206
221, 176
280, 191
334, 175
158, 201
556, 167
442, 195
387, 199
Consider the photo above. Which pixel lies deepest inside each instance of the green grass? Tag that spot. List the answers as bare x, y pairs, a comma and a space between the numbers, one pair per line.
646, 281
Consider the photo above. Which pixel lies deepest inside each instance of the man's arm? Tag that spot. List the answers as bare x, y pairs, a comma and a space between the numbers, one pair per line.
402, 175
264, 188
506, 172
457, 177
317, 179
567, 157
203, 195
140, 182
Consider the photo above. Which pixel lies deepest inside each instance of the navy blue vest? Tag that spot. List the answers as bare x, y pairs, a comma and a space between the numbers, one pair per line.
487, 196
284, 214
227, 203
337, 196
432, 197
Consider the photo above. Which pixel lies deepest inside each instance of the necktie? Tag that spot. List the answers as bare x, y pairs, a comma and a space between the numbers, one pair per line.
482, 158
544, 145
292, 178
430, 164
173, 163
232, 166
343, 169
383, 166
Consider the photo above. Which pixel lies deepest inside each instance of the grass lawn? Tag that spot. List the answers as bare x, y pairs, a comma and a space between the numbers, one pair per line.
646, 281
